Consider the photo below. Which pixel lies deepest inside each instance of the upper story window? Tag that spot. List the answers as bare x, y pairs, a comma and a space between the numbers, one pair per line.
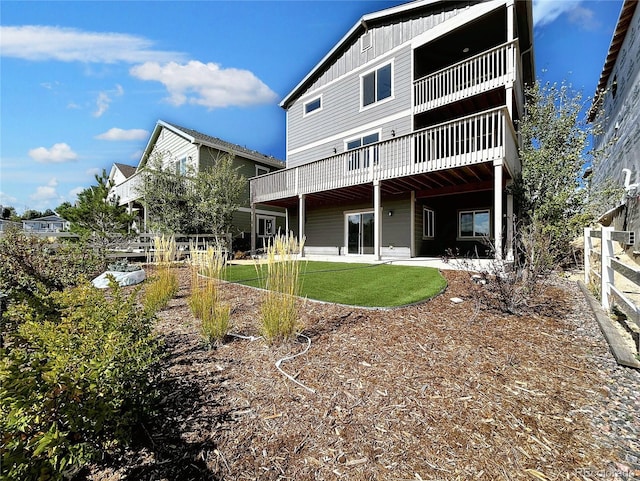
362, 158
366, 41
376, 85
181, 166
260, 170
312, 106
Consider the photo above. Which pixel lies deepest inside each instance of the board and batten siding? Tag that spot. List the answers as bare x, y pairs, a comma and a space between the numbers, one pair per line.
339, 86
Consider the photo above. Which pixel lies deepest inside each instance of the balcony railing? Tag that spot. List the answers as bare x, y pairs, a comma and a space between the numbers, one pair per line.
472, 76
128, 190
478, 138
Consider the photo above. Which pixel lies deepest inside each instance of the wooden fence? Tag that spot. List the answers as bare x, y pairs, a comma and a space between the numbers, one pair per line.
601, 267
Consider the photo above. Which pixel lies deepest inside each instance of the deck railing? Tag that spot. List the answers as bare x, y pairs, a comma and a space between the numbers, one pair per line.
472, 76
469, 140
128, 191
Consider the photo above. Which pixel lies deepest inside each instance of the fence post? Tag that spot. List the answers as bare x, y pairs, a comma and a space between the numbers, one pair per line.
588, 245
606, 277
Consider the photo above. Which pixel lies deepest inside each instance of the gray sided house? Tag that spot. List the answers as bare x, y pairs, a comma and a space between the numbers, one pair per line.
617, 106
402, 140
183, 149
49, 223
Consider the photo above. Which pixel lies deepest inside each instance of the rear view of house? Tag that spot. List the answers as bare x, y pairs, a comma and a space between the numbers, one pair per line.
401, 140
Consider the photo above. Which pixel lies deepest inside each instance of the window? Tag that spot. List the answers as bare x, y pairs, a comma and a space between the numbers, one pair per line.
181, 166
260, 170
312, 106
428, 223
475, 223
376, 85
266, 226
362, 158
366, 41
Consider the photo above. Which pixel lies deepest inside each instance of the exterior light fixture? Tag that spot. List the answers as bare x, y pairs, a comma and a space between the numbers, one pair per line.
390, 213
393, 133
465, 50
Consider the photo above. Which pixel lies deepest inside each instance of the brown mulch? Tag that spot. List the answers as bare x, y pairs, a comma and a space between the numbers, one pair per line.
437, 391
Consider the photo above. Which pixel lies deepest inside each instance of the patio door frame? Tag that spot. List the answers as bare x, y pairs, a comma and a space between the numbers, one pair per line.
362, 248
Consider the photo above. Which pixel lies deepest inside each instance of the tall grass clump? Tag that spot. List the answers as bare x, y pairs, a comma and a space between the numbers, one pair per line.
165, 284
281, 279
205, 301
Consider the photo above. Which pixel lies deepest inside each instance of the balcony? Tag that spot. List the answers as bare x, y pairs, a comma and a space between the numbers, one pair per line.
128, 190
486, 71
475, 139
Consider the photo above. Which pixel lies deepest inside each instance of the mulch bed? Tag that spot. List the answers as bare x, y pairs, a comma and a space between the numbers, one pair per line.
437, 391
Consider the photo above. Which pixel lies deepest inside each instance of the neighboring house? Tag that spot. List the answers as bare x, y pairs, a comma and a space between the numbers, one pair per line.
183, 149
401, 141
6, 224
617, 106
50, 223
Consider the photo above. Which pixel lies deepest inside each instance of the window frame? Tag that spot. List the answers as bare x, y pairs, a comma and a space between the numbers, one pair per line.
306, 113
365, 162
375, 71
428, 220
265, 218
474, 212
181, 166
261, 167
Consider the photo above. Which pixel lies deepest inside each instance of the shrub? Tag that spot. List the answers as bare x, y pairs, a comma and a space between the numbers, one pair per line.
281, 278
73, 384
205, 301
32, 266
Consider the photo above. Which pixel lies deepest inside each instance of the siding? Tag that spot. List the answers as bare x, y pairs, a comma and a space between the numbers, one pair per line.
172, 147
339, 85
622, 112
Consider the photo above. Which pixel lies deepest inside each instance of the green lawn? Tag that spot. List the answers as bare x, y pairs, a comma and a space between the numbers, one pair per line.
371, 285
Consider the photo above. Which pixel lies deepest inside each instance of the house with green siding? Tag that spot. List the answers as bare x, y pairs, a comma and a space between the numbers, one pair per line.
183, 150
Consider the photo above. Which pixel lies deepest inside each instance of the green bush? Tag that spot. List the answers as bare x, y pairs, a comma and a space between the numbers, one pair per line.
160, 289
73, 382
34, 266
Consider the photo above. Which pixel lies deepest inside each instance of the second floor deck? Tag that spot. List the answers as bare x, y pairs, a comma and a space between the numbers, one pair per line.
485, 137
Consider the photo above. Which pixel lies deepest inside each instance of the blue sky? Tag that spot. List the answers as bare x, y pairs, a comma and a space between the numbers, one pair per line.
83, 83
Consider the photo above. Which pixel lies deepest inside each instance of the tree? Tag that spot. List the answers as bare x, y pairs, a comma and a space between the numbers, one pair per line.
551, 197
9, 213
196, 202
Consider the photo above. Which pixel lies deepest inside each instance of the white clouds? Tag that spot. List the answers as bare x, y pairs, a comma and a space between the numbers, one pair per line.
206, 84
58, 153
6, 199
104, 100
116, 134
547, 11
39, 43
47, 192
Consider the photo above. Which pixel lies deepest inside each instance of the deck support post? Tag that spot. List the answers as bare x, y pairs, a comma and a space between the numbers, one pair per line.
497, 208
377, 220
606, 274
510, 223
301, 215
412, 225
253, 229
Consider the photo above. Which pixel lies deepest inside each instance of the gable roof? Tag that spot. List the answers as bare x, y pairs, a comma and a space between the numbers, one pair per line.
126, 170
196, 137
47, 218
619, 34
363, 25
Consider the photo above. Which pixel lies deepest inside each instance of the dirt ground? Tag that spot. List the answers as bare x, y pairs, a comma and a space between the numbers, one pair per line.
437, 391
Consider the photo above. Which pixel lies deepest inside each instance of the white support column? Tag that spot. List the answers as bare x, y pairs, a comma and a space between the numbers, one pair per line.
253, 229
606, 276
512, 61
497, 208
286, 221
510, 224
377, 220
588, 245
301, 216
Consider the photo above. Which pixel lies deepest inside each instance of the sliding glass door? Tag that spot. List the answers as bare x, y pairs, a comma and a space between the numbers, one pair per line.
360, 233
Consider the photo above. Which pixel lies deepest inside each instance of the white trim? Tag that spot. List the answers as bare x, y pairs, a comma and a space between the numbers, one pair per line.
375, 70
319, 109
261, 212
346, 214
272, 218
433, 223
352, 132
263, 168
